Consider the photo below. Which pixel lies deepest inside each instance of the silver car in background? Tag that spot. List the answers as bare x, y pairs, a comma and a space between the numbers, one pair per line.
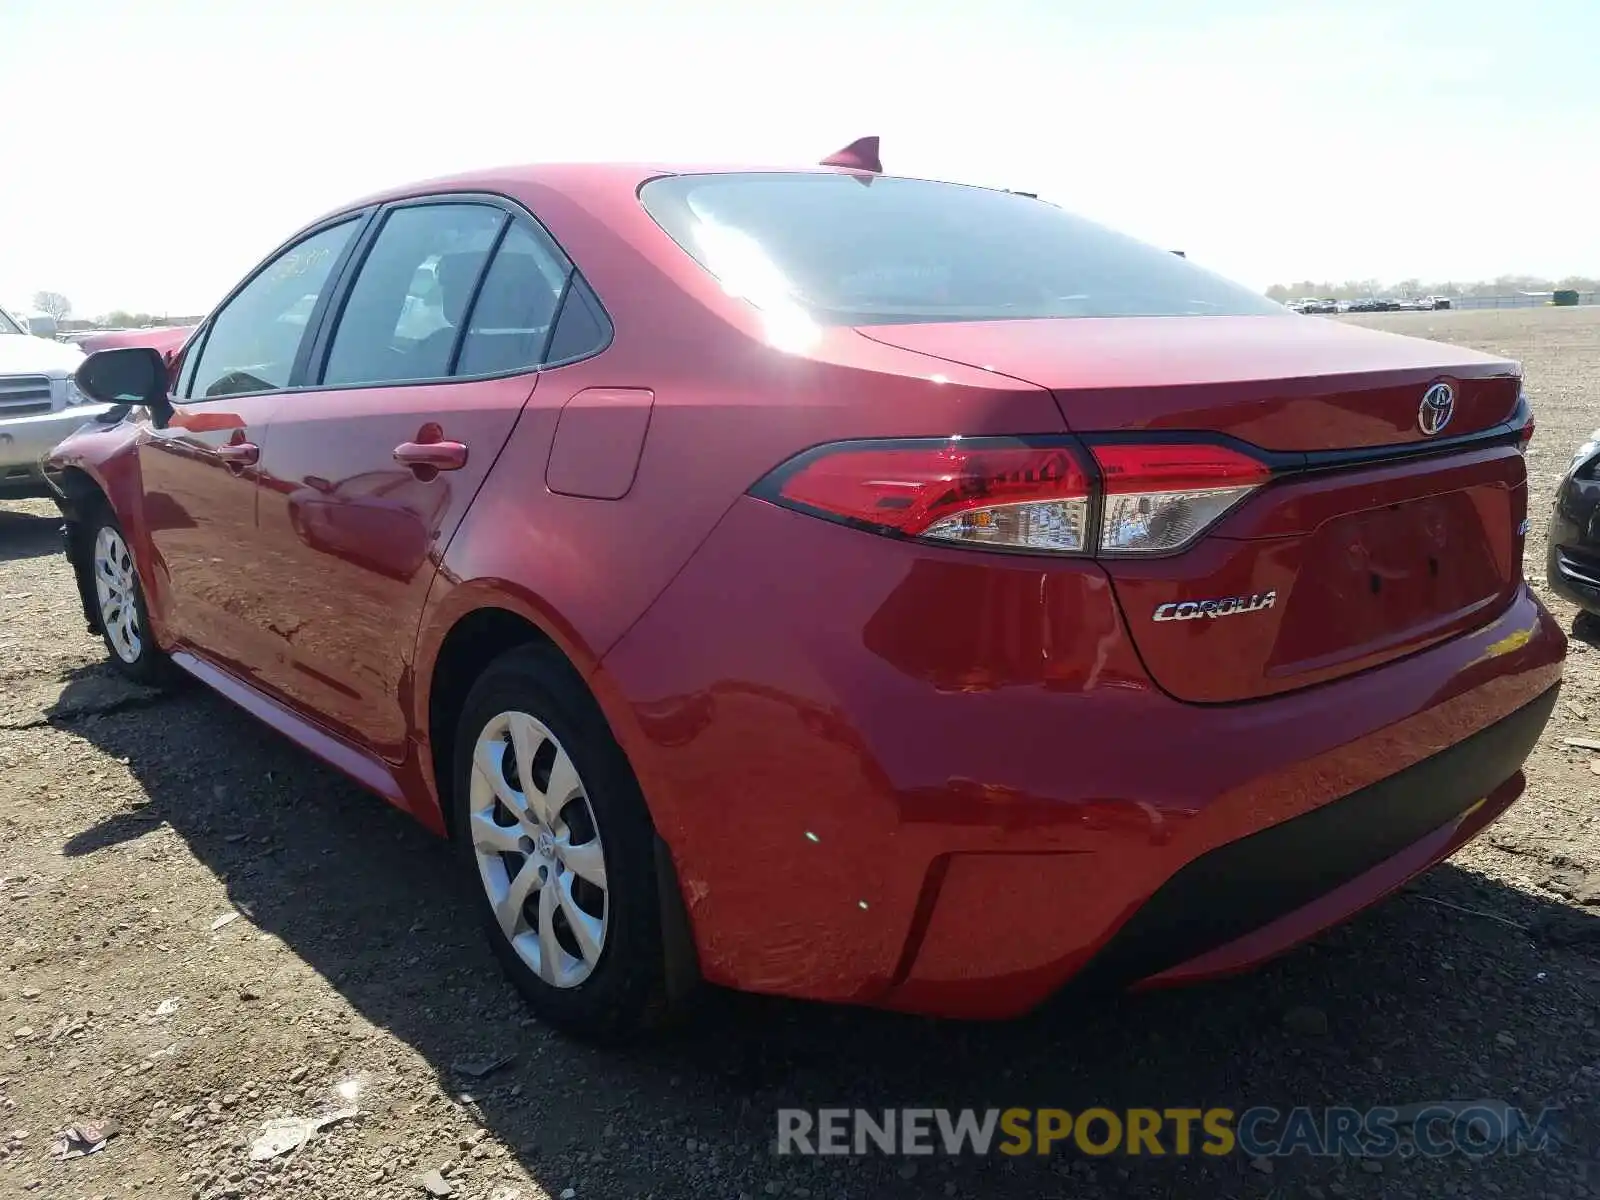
39, 405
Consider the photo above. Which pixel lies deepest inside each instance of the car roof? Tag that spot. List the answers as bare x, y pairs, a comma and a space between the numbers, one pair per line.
574, 180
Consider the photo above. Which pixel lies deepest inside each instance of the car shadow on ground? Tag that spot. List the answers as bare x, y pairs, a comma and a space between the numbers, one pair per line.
1458, 988
24, 535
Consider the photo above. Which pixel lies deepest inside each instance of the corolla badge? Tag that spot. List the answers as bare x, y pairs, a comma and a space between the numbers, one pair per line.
1228, 606
1437, 407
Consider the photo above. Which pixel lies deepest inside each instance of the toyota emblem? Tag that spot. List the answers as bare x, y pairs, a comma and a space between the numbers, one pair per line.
1438, 406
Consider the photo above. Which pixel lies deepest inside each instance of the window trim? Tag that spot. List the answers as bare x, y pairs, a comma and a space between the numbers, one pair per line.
316, 361
460, 340
580, 291
342, 277
202, 336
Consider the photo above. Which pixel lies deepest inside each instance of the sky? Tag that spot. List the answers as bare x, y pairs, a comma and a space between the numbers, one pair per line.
152, 151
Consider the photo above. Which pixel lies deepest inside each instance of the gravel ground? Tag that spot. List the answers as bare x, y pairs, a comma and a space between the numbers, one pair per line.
201, 930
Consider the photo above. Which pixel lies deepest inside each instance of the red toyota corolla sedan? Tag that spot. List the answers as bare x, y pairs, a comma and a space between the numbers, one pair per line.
831, 584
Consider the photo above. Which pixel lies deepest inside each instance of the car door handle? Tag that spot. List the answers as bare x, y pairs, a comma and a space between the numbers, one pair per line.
439, 456
240, 453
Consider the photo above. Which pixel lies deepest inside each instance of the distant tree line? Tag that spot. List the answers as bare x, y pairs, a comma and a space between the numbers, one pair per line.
121, 319
58, 307
1353, 289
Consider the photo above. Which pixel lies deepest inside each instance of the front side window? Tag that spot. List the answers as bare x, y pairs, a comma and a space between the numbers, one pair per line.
411, 296
7, 324
863, 250
252, 342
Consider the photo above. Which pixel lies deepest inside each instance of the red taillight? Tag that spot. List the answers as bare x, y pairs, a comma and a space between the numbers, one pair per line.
1175, 467
1144, 498
1525, 429
1160, 496
984, 491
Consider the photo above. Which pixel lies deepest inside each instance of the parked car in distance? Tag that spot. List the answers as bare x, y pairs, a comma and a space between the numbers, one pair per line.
39, 405
1573, 562
167, 339
765, 583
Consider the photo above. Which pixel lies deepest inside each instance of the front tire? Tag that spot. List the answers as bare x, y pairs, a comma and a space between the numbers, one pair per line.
556, 837
120, 606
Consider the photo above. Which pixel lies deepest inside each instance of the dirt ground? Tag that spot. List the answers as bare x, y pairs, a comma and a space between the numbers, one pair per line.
202, 929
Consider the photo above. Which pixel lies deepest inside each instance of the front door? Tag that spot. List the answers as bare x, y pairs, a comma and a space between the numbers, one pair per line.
198, 469
365, 476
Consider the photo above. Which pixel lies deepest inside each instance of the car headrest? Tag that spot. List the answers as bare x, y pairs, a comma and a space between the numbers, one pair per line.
457, 273
516, 295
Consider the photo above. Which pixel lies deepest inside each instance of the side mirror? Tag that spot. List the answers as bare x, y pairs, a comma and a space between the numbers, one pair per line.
127, 375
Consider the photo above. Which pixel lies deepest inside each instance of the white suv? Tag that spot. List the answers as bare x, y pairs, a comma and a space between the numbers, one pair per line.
39, 405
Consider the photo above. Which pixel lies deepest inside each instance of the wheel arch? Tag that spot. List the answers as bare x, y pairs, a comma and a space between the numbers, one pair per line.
464, 629
464, 651
479, 630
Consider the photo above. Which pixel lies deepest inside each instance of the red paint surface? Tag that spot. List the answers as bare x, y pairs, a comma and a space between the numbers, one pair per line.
599, 438
865, 755
1279, 382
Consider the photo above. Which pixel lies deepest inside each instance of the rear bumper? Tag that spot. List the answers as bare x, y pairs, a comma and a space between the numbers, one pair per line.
1255, 897
942, 782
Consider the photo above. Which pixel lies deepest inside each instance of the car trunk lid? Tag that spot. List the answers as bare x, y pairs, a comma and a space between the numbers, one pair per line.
1381, 531
1288, 383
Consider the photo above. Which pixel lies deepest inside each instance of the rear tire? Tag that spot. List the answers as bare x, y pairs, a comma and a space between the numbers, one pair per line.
120, 607
556, 839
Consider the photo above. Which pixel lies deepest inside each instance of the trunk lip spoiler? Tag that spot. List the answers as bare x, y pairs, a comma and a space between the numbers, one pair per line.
1299, 462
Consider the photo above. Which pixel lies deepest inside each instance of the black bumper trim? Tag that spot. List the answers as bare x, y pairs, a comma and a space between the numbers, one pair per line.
1572, 576
1246, 884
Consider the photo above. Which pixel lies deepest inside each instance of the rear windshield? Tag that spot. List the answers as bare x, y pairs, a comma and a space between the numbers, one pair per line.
864, 250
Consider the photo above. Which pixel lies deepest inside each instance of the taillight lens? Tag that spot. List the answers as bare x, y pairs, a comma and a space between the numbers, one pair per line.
1524, 415
984, 492
1002, 493
1159, 497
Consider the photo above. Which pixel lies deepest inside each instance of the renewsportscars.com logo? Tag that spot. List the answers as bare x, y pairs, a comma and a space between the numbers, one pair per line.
1430, 1130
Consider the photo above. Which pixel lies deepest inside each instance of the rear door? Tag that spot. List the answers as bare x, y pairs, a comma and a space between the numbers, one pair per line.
414, 386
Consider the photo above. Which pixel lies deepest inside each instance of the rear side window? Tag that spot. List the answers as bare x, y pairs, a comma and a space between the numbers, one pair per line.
863, 250
582, 328
510, 322
403, 313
